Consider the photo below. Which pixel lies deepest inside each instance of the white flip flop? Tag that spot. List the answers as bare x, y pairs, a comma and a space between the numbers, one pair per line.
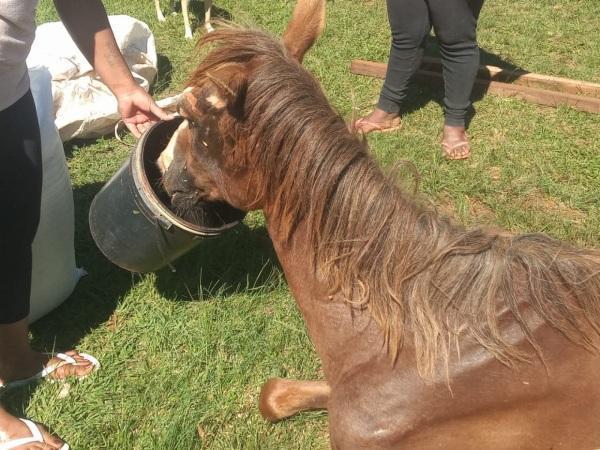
65, 359
36, 436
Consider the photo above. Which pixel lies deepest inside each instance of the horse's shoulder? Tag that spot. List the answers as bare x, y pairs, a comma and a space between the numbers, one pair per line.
400, 397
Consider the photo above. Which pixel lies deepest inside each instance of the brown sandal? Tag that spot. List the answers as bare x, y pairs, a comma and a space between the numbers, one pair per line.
449, 151
364, 125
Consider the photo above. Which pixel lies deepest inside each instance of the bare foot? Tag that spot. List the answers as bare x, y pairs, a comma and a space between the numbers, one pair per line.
12, 429
455, 143
378, 120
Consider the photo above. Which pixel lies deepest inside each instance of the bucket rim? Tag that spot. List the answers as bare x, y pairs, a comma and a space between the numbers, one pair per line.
144, 188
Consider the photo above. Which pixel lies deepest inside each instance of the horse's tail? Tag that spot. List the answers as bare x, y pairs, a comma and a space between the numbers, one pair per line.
307, 23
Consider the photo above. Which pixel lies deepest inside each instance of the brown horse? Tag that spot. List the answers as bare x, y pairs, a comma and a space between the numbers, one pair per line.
430, 335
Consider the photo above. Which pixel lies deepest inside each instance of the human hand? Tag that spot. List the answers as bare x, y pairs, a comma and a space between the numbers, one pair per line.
138, 110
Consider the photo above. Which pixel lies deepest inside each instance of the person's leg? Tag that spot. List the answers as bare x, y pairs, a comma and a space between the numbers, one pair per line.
20, 198
409, 24
20, 193
455, 25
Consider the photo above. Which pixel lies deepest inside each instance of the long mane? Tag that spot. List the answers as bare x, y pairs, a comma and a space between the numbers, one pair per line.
421, 276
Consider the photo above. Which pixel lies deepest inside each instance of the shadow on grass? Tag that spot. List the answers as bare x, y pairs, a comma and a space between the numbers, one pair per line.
16, 401
196, 10
164, 74
421, 93
92, 302
239, 259
96, 295
242, 258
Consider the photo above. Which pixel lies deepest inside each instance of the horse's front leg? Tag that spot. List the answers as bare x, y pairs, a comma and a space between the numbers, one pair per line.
159, 14
207, 8
281, 398
185, 10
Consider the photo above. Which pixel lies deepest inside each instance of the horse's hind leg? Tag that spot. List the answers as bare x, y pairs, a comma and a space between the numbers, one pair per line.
281, 398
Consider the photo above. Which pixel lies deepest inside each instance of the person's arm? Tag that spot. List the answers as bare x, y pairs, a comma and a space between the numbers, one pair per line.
87, 23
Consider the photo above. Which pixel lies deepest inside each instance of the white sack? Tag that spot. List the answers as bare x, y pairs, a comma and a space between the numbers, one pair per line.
84, 107
54, 274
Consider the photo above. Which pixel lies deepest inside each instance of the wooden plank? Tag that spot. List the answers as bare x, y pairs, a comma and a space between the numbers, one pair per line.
493, 73
524, 78
368, 68
534, 95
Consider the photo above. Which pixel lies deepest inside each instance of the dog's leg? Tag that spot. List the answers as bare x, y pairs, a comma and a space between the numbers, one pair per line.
159, 13
185, 10
281, 398
207, 7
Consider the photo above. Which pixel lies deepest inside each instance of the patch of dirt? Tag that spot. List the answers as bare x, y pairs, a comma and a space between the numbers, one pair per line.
444, 205
480, 212
550, 205
498, 136
495, 173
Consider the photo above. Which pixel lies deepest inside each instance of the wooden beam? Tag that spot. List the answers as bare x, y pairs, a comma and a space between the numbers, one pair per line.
531, 94
524, 78
493, 73
368, 68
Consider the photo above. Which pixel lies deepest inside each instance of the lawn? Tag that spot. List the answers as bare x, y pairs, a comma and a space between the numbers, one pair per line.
184, 353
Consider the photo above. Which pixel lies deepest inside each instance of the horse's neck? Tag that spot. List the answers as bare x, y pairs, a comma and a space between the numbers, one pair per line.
342, 337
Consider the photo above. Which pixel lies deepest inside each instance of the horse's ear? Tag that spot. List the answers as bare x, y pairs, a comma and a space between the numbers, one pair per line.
238, 86
308, 21
227, 90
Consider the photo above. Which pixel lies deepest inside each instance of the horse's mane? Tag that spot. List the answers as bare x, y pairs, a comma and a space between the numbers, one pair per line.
421, 276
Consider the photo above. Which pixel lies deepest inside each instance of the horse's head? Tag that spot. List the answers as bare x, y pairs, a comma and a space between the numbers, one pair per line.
194, 165
213, 154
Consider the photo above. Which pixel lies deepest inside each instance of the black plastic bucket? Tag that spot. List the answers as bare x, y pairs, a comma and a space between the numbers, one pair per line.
133, 226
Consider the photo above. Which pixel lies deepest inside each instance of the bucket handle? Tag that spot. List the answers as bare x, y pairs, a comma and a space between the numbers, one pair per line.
118, 137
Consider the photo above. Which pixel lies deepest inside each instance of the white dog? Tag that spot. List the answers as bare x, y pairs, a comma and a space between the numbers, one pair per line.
186, 16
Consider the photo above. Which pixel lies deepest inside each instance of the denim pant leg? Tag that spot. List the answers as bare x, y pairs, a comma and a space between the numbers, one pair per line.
409, 24
455, 25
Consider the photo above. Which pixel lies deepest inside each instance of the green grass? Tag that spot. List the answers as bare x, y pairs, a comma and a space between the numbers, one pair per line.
184, 353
